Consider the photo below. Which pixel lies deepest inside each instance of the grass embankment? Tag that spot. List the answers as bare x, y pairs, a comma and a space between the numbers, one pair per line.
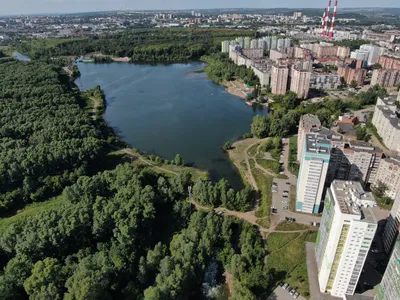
292, 204
293, 166
289, 262
264, 183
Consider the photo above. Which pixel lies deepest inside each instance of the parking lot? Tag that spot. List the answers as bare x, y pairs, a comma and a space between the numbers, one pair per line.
281, 201
280, 294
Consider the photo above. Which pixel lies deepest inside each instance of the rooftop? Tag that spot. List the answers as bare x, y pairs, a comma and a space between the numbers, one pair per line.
353, 200
389, 100
318, 143
310, 121
363, 146
390, 115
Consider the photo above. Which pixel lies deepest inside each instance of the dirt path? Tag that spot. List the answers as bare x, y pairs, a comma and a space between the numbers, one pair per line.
133, 154
246, 159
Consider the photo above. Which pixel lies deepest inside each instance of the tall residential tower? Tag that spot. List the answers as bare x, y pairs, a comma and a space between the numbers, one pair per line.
347, 229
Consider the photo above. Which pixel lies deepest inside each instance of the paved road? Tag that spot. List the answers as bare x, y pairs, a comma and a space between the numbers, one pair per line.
313, 275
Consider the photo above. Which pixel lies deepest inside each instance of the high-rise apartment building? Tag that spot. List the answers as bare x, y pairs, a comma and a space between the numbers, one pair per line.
389, 288
279, 79
300, 82
389, 174
392, 225
350, 74
225, 46
347, 229
386, 119
308, 124
275, 55
246, 42
386, 77
312, 175
389, 62
361, 161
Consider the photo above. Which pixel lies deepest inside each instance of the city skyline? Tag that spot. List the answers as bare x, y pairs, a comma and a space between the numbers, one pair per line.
74, 6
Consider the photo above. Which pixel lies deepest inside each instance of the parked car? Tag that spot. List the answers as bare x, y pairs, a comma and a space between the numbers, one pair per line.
285, 285
281, 284
296, 295
292, 291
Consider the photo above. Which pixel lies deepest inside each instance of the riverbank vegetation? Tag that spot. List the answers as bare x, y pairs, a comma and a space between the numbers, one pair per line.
286, 111
221, 68
147, 45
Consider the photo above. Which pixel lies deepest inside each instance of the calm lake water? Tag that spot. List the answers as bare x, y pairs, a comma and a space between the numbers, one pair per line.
169, 109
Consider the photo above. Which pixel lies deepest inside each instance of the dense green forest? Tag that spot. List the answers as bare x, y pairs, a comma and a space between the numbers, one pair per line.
220, 67
46, 140
148, 45
129, 234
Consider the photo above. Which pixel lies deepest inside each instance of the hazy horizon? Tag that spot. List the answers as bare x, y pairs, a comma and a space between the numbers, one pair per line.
17, 7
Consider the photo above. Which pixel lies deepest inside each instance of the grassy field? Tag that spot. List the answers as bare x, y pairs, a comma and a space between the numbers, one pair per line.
292, 204
264, 222
289, 226
264, 184
289, 263
293, 165
270, 165
277, 240
31, 210
293, 148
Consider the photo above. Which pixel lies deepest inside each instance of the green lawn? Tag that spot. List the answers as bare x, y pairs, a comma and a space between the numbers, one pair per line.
289, 226
293, 165
31, 210
270, 165
253, 150
289, 263
264, 184
292, 204
293, 148
263, 222
277, 240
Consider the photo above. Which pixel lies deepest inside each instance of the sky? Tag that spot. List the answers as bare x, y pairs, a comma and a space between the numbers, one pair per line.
66, 6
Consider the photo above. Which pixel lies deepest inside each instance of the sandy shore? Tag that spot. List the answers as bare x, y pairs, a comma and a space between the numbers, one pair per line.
236, 88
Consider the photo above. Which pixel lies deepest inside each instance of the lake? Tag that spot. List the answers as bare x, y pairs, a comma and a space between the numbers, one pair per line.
170, 109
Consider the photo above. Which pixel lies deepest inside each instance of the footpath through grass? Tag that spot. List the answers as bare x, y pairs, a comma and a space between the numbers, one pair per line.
291, 226
31, 210
289, 263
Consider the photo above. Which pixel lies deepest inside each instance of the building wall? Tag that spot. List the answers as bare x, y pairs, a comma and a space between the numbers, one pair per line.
253, 53
389, 131
300, 83
279, 80
386, 77
389, 288
389, 173
391, 229
307, 122
276, 55
342, 246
